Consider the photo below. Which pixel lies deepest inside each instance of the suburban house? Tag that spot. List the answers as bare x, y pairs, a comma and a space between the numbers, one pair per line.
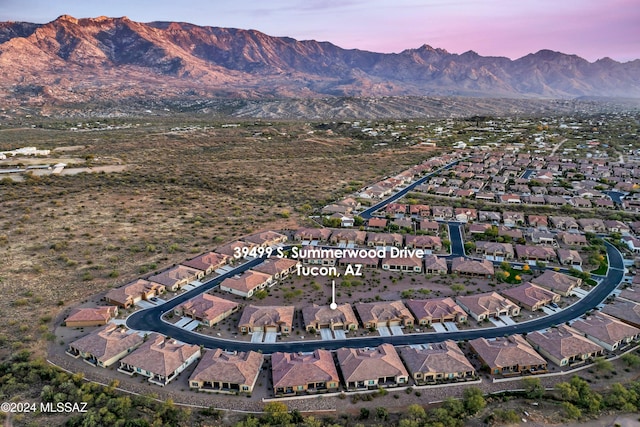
92, 316
486, 305
345, 220
159, 358
435, 265
606, 331
511, 219
408, 264
265, 238
569, 257
348, 237
312, 234
557, 282
436, 310
176, 277
442, 212
543, 237
246, 284
462, 265
266, 319
423, 242
511, 355
514, 233
422, 211
538, 221
530, 296
509, 198
437, 362
489, 216
133, 292
105, 346
627, 311
230, 372
632, 243
383, 314
378, 223
564, 345
476, 228
494, 249
465, 214
592, 225
396, 209
572, 239
207, 309
371, 262
371, 368
631, 294
535, 253
208, 262
616, 226
323, 317
234, 250
298, 373
564, 222
384, 239
277, 267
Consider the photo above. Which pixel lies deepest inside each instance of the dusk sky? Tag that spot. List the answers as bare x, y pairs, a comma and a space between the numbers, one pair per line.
589, 28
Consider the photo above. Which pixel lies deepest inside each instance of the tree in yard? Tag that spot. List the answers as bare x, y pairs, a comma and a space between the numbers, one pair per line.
457, 288
382, 413
632, 360
276, 413
473, 400
416, 412
570, 411
603, 365
533, 388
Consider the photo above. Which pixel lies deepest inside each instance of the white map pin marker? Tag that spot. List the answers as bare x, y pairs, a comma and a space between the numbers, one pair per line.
333, 304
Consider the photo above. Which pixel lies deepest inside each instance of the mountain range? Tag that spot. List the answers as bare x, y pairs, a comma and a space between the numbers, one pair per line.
73, 60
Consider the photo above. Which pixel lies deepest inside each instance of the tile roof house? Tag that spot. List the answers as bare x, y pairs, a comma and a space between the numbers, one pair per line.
631, 294
557, 282
511, 355
92, 316
277, 267
465, 214
105, 346
384, 239
543, 237
265, 238
299, 373
222, 371
538, 221
234, 250
177, 277
435, 265
461, 265
625, 310
409, 264
494, 249
530, 296
371, 368
535, 253
442, 212
159, 358
208, 262
429, 226
569, 257
353, 237
437, 362
436, 310
312, 234
207, 309
323, 317
514, 233
420, 210
572, 239
133, 292
606, 331
383, 313
592, 225
489, 216
564, 222
377, 222
564, 345
423, 242
486, 305
615, 226
266, 319
246, 284
512, 219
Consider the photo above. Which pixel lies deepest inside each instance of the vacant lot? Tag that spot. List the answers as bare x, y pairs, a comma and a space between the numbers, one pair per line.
66, 238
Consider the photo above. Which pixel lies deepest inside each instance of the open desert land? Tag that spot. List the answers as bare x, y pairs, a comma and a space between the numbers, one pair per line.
188, 186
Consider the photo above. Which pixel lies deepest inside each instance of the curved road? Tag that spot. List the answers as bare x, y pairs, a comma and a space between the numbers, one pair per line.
150, 320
